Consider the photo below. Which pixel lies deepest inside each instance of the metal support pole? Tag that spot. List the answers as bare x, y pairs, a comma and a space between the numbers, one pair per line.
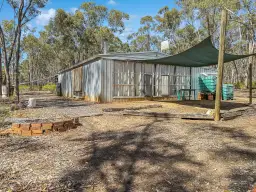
250, 83
220, 64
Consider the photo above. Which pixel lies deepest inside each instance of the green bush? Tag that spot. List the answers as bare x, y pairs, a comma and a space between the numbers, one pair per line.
49, 87
254, 84
24, 88
4, 112
240, 85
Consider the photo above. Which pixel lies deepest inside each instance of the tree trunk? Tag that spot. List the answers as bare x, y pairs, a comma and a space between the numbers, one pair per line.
148, 42
17, 73
237, 73
6, 65
1, 74
30, 74
8, 78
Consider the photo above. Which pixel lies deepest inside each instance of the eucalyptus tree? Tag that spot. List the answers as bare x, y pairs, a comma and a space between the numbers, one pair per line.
168, 21
146, 38
240, 30
24, 11
72, 37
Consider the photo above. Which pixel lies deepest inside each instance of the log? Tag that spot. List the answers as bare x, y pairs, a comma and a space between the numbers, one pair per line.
117, 109
150, 114
91, 115
234, 113
169, 115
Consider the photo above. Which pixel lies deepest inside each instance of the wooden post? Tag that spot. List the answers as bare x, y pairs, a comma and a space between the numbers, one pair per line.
1, 74
250, 83
190, 84
220, 64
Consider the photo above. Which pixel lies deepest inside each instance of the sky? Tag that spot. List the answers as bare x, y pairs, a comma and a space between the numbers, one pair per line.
135, 8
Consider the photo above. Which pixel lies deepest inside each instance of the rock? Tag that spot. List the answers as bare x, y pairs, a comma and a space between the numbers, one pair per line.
210, 112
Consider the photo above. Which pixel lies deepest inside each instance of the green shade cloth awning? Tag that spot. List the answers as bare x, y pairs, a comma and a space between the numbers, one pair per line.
202, 54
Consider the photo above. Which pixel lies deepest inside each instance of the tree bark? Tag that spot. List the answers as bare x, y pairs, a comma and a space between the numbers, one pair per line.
30, 73
1, 74
237, 73
17, 72
224, 16
6, 65
17, 59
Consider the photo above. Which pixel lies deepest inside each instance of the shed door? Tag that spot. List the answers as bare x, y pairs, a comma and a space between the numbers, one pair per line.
77, 76
148, 85
165, 85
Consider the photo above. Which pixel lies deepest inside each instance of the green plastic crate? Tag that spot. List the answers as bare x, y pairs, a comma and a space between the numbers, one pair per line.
207, 84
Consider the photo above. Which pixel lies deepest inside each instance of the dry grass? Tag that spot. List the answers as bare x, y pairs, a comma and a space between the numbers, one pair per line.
112, 153
116, 153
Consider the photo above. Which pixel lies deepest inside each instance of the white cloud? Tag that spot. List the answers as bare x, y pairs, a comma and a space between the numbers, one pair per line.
30, 26
45, 16
133, 16
127, 31
73, 10
112, 2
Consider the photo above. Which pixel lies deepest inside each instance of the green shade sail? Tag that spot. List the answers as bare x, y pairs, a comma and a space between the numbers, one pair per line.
202, 54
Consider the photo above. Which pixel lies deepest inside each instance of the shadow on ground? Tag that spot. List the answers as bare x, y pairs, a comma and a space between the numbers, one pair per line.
239, 148
23, 144
60, 103
129, 160
209, 104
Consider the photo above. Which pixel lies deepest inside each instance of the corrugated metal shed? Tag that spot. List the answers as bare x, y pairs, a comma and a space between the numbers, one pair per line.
137, 56
105, 77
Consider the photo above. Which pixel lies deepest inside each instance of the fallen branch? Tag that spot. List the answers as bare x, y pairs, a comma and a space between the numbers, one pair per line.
169, 115
132, 108
234, 113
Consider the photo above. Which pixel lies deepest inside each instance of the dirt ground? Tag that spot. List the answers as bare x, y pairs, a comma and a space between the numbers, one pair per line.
122, 153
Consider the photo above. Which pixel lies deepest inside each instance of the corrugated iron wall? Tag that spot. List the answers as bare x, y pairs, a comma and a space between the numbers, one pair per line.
77, 79
86, 79
92, 80
66, 83
136, 79
104, 79
107, 73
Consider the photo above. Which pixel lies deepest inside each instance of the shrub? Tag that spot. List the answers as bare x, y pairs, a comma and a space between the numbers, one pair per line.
240, 85
4, 112
24, 88
254, 84
49, 87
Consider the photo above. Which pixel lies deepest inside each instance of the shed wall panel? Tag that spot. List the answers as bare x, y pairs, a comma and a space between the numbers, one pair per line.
107, 80
66, 84
77, 77
92, 80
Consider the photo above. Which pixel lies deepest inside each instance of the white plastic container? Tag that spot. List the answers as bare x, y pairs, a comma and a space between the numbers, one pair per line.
32, 102
4, 91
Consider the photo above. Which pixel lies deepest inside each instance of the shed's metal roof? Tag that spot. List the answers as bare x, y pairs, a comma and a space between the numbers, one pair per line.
135, 56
